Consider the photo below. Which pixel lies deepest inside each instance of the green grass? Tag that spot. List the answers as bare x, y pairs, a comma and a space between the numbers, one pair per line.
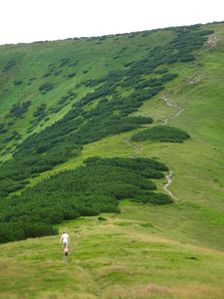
122, 257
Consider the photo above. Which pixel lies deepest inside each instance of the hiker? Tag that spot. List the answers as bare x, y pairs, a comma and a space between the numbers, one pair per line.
65, 241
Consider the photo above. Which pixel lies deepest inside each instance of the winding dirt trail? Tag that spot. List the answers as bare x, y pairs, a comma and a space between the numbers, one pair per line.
139, 149
179, 111
169, 178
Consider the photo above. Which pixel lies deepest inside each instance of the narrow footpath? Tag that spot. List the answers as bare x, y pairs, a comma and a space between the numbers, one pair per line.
179, 111
138, 149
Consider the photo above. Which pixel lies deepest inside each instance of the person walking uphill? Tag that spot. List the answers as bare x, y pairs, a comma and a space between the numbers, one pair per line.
65, 241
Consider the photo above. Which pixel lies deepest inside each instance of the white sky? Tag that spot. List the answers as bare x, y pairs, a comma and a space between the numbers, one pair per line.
35, 20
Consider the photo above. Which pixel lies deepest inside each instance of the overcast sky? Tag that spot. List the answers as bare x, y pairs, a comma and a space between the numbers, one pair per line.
35, 20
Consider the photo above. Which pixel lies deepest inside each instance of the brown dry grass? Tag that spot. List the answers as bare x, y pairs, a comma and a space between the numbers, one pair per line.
163, 292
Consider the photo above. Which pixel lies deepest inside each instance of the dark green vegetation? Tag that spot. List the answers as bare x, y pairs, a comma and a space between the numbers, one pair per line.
88, 190
30, 163
163, 134
18, 110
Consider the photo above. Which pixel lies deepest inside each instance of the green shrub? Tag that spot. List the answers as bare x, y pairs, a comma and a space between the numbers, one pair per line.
40, 112
44, 88
18, 110
71, 75
18, 82
11, 232
155, 198
3, 129
162, 134
9, 65
64, 61
37, 229
187, 58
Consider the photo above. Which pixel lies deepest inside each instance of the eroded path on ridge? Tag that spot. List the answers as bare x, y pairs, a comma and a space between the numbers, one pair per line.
179, 111
138, 149
169, 178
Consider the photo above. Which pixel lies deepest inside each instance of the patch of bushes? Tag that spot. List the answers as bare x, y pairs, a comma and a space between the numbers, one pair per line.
100, 127
58, 72
44, 88
187, 57
18, 110
67, 98
162, 134
19, 231
15, 136
64, 61
18, 82
8, 185
73, 64
144, 165
9, 65
40, 112
2, 129
100, 218
35, 159
155, 198
10, 232
155, 82
64, 100
88, 190
71, 75
47, 75
11, 123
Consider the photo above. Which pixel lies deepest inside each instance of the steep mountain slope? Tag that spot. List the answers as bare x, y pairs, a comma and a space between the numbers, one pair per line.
123, 97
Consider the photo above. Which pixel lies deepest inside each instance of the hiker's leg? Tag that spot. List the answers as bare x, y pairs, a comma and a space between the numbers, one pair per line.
65, 249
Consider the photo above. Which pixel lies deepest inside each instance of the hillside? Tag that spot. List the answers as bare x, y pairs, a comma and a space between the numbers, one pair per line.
126, 125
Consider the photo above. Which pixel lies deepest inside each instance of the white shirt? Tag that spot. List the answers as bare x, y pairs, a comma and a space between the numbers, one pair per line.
65, 238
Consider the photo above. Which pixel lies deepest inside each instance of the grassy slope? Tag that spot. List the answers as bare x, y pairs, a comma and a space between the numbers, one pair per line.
157, 252
197, 165
118, 258
37, 59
